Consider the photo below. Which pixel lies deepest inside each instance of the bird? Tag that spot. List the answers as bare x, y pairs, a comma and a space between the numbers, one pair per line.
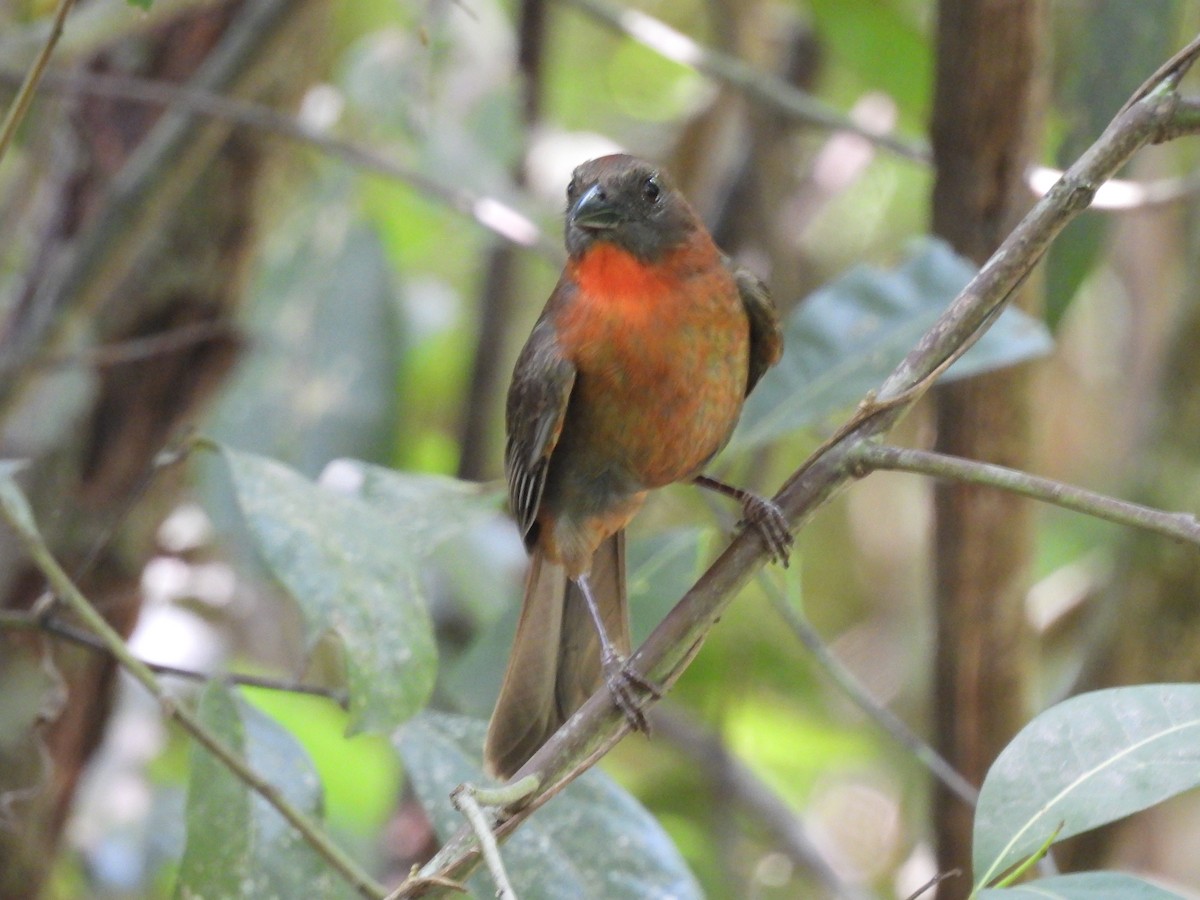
632, 378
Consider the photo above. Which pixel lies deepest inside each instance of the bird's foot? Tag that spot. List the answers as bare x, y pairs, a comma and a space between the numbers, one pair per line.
625, 685
765, 517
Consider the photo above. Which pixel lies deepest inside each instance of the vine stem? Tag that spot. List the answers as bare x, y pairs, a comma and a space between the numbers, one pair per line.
21, 102
16, 511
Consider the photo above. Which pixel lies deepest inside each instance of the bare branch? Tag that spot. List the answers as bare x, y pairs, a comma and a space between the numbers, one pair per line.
1180, 526
849, 685
20, 104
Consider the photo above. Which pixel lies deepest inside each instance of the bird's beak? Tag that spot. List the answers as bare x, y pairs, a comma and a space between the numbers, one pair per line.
595, 211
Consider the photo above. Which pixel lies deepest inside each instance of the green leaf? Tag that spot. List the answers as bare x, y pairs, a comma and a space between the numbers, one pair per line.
593, 842
217, 857
1083, 763
359, 777
1083, 886
353, 576
424, 510
238, 846
847, 337
141, 4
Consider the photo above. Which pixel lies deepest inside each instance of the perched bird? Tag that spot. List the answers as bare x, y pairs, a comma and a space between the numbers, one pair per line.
633, 378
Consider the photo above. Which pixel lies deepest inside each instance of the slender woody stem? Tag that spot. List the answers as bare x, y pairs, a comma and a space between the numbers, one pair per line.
20, 104
937, 765
1180, 526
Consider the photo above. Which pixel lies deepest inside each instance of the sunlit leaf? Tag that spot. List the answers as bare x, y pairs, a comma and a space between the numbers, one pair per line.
359, 776
238, 845
334, 555
592, 842
1083, 763
847, 337
1083, 886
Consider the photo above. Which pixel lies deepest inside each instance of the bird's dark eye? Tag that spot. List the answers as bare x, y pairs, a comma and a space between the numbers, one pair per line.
571, 189
651, 190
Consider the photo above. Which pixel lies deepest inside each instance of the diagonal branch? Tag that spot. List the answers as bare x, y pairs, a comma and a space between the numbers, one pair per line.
1156, 115
797, 622
21, 102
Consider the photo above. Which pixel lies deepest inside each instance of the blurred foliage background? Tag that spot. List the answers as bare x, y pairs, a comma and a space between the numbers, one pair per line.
378, 311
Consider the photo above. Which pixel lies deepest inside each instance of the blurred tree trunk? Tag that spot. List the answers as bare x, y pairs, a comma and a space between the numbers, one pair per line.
479, 458
135, 226
987, 105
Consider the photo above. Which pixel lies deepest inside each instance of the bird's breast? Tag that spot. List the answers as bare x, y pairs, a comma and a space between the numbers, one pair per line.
662, 361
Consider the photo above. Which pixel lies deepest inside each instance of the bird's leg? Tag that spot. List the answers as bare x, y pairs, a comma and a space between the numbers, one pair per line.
620, 679
759, 513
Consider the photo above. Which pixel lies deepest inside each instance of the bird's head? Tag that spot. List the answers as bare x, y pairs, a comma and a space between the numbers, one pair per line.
627, 202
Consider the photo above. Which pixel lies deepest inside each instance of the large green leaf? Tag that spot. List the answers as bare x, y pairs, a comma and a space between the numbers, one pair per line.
1083, 886
238, 846
424, 509
1083, 763
353, 575
848, 336
593, 842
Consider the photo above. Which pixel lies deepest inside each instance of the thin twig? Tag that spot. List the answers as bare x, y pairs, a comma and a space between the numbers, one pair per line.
759, 87
16, 511
20, 104
1180, 526
463, 798
934, 882
795, 619
15, 620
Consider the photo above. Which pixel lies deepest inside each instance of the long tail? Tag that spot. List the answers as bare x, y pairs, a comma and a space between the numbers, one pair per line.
555, 661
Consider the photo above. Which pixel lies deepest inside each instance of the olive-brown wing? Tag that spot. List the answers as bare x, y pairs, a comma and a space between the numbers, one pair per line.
537, 406
766, 332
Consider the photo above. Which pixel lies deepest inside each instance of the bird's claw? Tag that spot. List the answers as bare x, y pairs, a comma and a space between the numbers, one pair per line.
765, 517
624, 685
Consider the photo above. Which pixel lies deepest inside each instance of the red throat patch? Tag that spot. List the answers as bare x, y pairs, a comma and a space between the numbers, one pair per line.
608, 272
